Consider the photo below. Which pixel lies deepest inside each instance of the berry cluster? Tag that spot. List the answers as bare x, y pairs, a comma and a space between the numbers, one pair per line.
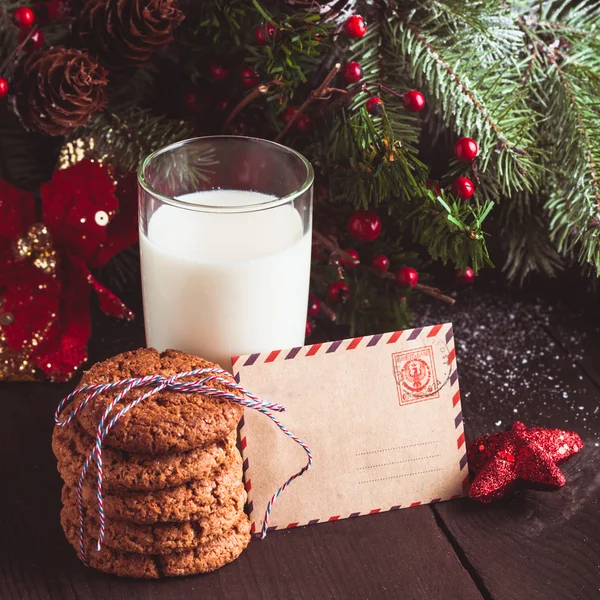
30, 38
364, 226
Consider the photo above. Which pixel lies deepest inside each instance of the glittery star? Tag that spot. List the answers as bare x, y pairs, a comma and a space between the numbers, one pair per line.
520, 454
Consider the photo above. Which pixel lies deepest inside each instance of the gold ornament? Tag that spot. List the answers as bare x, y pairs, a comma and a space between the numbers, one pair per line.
74, 151
15, 364
36, 245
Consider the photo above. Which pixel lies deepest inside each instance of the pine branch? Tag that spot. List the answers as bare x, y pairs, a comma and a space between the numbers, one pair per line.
566, 80
321, 92
526, 238
333, 247
452, 231
367, 166
296, 50
258, 91
428, 290
573, 21
375, 52
477, 96
372, 309
126, 139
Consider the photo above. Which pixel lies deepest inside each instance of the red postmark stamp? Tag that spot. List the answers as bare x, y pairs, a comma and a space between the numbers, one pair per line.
416, 378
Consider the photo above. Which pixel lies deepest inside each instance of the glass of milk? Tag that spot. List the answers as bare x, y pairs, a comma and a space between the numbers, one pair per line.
225, 241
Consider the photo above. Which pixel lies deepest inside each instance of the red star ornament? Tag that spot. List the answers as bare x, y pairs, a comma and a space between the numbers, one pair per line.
523, 453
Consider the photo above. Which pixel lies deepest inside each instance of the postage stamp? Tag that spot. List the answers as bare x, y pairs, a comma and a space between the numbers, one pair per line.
416, 376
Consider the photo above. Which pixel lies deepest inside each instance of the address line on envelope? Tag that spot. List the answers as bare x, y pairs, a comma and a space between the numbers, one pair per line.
397, 462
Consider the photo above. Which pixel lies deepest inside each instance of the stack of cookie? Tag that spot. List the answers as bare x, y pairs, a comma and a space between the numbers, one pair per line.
172, 475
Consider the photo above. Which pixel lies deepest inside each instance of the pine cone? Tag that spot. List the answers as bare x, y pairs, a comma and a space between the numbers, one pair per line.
124, 33
58, 89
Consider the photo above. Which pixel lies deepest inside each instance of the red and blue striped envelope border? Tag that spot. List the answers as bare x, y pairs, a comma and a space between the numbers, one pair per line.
444, 332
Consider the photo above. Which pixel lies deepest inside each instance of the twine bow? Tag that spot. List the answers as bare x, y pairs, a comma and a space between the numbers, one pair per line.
157, 383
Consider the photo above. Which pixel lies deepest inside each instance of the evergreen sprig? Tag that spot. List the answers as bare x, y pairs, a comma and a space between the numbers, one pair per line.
368, 166
452, 230
526, 235
476, 86
564, 74
295, 51
126, 139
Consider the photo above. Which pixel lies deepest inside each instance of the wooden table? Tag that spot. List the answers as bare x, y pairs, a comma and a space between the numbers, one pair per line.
533, 545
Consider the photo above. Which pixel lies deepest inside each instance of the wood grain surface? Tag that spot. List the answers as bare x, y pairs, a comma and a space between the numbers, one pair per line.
533, 545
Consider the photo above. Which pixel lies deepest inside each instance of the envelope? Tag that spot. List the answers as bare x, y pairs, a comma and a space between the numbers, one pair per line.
381, 415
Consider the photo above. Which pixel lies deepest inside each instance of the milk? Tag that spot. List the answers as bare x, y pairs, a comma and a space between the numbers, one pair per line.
222, 285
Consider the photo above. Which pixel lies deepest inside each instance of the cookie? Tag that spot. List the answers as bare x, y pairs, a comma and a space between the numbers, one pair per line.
124, 471
192, 500
161, 538
201, 559
169, 421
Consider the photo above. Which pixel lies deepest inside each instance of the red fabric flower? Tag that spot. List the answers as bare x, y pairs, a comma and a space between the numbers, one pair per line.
122, 231
77, 205
17, 210
45, 281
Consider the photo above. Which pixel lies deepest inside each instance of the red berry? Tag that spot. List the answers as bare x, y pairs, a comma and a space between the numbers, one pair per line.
314, 305
304, 123
465, 276
364, 225
466, 149
309, 328
381, 263
347, 263
288, 114
249, 78
338, 291
265, 34
194, 102
352, 72
35, 41
375, 106
434, 186
407, 277
3, 87
317, 36
463, 187
23, 17
219, 71
414, 101
355, 26
189, 100
51, 10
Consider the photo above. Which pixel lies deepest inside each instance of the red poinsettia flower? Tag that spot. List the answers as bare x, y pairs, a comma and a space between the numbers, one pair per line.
45, 281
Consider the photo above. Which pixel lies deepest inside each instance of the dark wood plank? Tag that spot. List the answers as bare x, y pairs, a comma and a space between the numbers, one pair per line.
535, 545
510, 368
513, 365
403, 554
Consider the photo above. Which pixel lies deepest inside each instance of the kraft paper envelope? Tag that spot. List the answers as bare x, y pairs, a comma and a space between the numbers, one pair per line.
381, 415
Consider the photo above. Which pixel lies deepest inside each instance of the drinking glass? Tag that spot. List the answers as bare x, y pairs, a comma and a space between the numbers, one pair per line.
225, 242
